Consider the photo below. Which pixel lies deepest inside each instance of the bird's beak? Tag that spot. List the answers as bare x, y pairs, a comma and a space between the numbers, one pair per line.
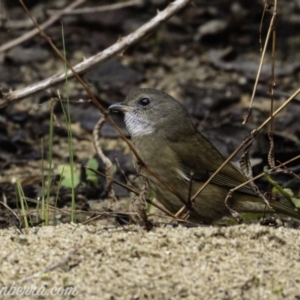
119, 107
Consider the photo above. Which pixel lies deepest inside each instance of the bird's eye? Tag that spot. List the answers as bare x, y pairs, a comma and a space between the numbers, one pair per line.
144, 101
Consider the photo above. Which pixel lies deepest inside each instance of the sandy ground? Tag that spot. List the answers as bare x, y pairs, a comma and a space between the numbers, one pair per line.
93, 262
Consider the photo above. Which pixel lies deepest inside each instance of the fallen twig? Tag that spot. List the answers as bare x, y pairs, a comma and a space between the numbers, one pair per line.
43, 26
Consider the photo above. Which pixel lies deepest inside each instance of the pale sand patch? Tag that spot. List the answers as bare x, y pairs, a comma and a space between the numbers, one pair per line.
238, 262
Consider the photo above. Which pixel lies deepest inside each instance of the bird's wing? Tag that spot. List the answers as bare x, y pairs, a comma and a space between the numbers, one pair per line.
196, 154
203, 163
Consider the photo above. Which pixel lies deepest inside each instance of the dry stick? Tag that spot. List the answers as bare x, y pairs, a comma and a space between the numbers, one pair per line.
271, 155
244, 161
246, 117
6, 206
261, 25
233, 212
91, 10
138, 208
107, 162
120, 46
288, 171
243, 143
53, 208
43, 26
3, 15
246, 167
121, 170
171, 9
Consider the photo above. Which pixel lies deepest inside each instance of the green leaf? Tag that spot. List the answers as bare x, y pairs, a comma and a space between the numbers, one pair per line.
90, 175
65, 171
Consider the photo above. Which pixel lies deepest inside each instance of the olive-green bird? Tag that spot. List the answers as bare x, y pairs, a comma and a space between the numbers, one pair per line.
168, 143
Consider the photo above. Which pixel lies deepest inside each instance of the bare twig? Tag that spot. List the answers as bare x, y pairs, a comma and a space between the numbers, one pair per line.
246, 165
91, 10
138, 208
107, 162
11, 210
261, 25
43, 26
271, 155
233, 212
121, 170
245, 159
288, 171
246, 117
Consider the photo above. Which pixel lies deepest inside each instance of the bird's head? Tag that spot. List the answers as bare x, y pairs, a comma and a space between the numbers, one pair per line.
149, 111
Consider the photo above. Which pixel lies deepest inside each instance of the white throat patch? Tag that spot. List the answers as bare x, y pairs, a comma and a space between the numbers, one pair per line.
137, 126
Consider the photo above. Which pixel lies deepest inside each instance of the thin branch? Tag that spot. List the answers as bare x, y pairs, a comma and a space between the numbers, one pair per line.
271, 154
246, 117
28, 35
106, 161
246, 166
91, 10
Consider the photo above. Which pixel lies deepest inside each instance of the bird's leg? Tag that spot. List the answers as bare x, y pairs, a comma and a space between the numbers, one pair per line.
183, 213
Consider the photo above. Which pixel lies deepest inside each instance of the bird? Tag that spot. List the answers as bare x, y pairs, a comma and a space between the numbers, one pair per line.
179, 160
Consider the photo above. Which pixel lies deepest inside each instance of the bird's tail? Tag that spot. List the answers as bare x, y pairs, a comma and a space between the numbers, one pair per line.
275, 207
